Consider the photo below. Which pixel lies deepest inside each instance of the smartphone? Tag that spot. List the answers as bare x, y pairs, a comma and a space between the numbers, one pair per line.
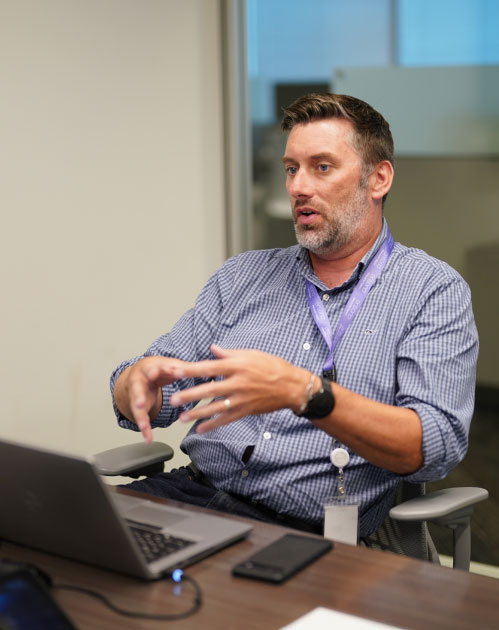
283, 558
26, 603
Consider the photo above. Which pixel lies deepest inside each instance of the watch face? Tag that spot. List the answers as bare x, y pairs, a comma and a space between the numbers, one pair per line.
321, 403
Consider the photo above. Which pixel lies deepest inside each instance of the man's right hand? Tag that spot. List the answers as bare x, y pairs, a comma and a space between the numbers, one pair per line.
138, 392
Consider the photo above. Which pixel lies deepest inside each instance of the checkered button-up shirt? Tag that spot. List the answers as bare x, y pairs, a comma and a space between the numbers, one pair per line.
413, 344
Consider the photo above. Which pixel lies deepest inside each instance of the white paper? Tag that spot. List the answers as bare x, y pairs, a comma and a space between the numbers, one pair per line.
325, 619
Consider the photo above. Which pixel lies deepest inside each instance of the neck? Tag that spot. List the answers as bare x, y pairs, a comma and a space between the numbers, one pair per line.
335, 269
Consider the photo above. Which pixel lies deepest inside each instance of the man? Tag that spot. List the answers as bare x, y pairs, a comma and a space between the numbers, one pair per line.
345, 341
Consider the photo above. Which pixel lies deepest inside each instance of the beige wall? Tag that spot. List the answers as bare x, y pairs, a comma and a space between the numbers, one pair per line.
111, 199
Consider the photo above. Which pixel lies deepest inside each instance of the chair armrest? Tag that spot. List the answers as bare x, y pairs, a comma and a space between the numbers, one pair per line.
124, 460
438, 504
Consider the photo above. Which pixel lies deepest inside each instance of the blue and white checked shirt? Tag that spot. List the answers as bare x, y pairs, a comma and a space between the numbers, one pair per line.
413, 344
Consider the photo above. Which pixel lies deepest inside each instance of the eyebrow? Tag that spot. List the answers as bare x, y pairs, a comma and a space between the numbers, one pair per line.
315, 158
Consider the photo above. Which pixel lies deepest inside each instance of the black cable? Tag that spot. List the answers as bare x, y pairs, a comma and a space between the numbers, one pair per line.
133, 613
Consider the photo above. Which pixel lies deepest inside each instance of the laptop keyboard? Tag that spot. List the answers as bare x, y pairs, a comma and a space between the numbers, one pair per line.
155, 545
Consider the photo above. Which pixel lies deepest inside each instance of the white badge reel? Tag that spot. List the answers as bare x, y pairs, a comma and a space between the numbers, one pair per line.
341, 512
339, 457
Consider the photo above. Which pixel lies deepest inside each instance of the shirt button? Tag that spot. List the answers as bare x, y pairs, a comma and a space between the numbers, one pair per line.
325, 297
244, 473
306, 346
267, 435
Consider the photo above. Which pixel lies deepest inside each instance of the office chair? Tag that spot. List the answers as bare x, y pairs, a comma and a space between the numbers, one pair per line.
404, 530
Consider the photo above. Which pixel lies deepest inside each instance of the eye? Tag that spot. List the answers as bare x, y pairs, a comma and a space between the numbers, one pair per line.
291, 170
324, 168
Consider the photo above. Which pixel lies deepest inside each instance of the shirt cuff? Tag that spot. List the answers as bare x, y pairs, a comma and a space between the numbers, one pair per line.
444, 444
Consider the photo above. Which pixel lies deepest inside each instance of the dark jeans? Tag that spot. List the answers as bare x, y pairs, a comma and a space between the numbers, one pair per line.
190, 486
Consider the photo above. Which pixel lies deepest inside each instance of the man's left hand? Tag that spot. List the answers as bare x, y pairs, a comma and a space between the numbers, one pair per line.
253, 383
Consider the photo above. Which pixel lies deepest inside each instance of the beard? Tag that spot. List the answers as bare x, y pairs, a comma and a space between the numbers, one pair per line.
339, 227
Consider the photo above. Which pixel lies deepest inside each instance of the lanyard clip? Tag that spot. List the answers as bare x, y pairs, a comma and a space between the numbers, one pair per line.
330, 374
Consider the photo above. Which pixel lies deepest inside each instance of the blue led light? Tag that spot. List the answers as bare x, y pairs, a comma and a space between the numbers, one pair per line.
177, 575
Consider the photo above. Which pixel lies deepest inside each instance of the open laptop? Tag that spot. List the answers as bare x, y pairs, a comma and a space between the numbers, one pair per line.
59, 504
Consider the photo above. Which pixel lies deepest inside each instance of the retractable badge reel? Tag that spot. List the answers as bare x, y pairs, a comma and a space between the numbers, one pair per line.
341, 512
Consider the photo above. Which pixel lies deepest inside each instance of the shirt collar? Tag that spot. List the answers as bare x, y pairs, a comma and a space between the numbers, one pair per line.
308, 272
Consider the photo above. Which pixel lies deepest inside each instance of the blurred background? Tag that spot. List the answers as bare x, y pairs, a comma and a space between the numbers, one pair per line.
141, 147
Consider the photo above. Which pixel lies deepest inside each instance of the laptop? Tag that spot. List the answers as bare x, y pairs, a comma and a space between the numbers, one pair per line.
59, 504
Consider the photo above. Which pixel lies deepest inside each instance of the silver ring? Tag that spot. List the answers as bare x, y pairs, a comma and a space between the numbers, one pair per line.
227, 403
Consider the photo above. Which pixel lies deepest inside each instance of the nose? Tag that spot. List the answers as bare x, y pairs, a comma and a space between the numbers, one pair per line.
299, 185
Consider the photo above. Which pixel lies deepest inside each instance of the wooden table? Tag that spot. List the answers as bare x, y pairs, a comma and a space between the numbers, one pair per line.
372, 584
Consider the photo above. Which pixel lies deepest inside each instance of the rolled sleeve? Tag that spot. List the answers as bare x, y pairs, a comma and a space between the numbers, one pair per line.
436, 372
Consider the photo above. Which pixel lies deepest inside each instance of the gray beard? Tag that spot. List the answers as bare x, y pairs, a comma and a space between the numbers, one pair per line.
337, 232
328, 240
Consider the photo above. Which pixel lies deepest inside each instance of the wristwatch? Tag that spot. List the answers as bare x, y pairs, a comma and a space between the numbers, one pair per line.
321, 403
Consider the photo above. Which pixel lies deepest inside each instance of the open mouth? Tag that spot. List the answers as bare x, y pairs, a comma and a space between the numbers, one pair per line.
306, 216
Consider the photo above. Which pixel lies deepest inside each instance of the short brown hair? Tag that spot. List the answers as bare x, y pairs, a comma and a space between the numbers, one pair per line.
372, 138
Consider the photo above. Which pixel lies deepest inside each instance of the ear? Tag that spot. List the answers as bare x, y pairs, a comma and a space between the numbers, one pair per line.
380, 180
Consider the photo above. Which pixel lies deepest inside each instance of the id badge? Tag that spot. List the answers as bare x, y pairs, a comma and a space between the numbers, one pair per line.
341, 519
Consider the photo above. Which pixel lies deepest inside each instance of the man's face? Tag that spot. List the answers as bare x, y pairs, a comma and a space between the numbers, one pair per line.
324, 183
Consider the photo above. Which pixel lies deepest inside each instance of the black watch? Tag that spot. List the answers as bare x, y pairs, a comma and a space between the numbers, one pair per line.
321, 404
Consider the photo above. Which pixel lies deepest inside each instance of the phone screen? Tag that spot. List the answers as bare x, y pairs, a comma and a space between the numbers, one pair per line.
283, 558
26, 604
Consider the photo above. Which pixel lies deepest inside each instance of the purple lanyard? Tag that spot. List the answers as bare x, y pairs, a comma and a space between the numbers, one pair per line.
359, 294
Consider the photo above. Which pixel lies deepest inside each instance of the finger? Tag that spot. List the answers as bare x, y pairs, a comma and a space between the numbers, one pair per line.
204, 369
140, 408
143, 422
200, 412
221, 353
138, 390
213, 389
146, 431
162, 372
218, 421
